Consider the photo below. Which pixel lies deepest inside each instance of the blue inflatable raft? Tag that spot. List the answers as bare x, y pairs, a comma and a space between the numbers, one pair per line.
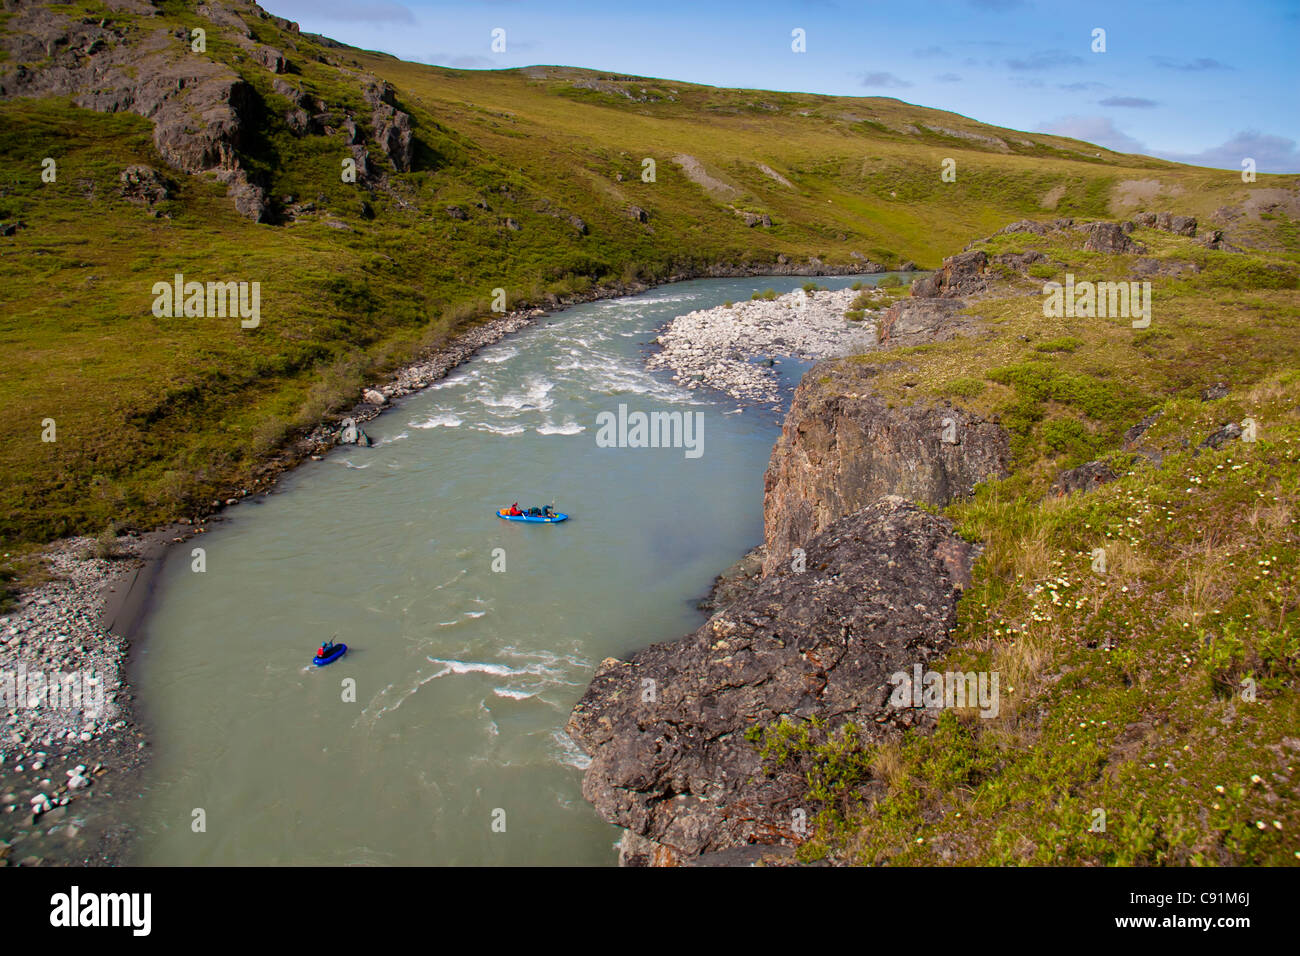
535, 519
337, 651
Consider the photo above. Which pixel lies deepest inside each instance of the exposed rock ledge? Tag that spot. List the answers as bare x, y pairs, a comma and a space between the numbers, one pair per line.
842, 447
665, 727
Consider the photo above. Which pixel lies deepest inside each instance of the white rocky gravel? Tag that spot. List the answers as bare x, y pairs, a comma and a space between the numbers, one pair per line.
52, 745
725, 347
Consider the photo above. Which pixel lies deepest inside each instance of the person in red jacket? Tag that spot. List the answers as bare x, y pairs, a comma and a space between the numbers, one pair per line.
514, 509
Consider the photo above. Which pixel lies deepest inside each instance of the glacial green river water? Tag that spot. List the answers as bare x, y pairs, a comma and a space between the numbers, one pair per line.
453, 750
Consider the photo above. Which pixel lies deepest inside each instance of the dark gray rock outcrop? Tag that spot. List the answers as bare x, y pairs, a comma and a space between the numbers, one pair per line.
1083, 478
961, 275
142, 184
1111, 237
665, 728
197, 105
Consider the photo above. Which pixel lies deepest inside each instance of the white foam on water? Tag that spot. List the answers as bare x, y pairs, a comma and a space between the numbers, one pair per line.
400, 700
511, 694
456, 577
534, 396
568, 428
506, 430
474, 667
462, 376
475, 613
567, 753
492, 729
447, 420
497, 356
393, 438
348, 463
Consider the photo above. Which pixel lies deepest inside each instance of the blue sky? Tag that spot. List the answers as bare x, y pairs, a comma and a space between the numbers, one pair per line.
1202, 82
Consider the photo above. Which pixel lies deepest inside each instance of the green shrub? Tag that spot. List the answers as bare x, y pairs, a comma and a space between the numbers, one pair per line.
1068, 436
965, 387
1066, 343
889, 282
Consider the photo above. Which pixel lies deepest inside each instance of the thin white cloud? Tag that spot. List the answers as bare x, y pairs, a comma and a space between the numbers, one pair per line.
884, 80
1093, 129
1046, 60
1200, 64
1272, 154
1131, 102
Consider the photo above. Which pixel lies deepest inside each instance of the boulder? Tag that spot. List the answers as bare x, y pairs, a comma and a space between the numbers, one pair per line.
1020, 261
1182, 225
1110, 237
1083, 478
374, 397
962, 274
1220, 437
1215, 239
914, 321
142, 184
270, 58
1024, 225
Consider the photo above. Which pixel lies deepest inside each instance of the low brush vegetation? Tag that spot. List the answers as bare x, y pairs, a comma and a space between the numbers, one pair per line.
1150, 712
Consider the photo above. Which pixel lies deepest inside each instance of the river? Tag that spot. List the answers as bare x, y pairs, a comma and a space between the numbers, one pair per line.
439, 739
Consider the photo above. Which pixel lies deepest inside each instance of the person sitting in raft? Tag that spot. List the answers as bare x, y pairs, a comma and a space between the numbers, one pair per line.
325, 649
514, 509
548, 512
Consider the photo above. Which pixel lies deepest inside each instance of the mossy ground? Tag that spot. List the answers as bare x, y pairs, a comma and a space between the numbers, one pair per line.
1157, 697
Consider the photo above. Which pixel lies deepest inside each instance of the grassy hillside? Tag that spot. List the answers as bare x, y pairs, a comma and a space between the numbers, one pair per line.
1162, 688
156, 417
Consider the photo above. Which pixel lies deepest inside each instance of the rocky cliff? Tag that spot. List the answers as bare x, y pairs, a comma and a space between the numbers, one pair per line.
843, 447
207, 116
666, 727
